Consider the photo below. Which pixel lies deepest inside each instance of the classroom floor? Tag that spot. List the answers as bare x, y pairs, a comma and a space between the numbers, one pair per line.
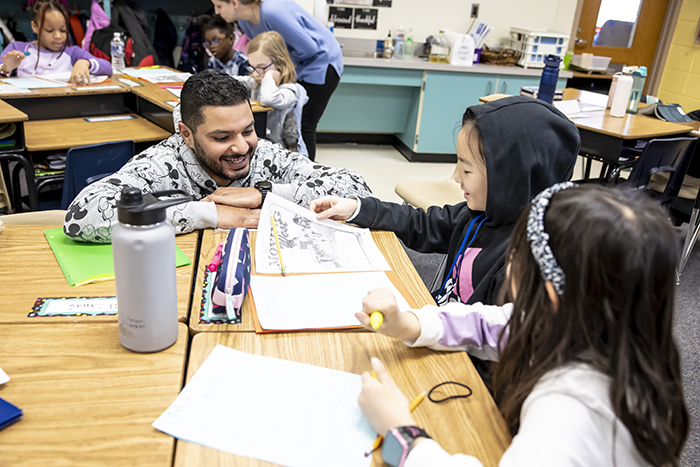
383, 167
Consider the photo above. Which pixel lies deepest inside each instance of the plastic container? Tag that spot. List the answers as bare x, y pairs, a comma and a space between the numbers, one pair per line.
409, 48
477, 55
613, 86
389, 46
639, 76
622, 93
548, 80
535, 44
116, 47
598, 62
143, 245
439, 49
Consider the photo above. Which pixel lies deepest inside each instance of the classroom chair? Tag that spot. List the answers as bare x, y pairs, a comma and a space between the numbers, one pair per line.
23, 165
686, 206
426, 194
671, 156
87, 164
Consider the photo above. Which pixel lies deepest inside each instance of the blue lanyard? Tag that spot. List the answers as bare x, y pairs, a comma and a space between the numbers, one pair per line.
462, 249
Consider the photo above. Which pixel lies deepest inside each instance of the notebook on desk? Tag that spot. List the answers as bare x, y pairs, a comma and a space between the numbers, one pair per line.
83, 263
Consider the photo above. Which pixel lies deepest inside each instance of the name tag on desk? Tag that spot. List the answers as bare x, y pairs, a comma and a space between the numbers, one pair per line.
109, 119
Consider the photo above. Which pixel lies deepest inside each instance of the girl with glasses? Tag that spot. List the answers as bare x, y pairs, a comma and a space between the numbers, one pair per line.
272, 82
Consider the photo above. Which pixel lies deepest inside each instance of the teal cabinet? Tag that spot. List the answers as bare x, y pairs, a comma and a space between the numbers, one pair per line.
447, 95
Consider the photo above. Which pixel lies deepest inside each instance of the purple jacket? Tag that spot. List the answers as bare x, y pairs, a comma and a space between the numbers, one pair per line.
475, 328
54, 62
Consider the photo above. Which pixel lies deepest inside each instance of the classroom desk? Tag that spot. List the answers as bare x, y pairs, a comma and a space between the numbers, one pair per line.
29, 270
71, 101
386, 241
603, 136
10, 114
66, 133
151, 101
473, 426
86, 400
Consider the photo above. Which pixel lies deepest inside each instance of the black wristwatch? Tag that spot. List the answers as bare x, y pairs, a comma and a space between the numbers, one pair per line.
264, 187
398, 442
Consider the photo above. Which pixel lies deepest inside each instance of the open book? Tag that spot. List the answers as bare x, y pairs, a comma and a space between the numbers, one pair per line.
666, 112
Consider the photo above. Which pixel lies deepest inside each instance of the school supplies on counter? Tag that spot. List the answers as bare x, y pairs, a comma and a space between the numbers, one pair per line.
274, 410
83, 263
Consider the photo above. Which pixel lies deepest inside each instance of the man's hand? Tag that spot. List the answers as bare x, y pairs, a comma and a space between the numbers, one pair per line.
231, 217
238, 197
80, 73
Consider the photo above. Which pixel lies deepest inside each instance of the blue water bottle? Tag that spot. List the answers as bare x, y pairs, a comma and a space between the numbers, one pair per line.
548, 81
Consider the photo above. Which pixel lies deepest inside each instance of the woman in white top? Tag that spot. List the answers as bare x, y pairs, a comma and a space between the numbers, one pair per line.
588, 371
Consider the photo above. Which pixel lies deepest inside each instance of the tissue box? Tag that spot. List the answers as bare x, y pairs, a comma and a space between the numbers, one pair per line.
531, 91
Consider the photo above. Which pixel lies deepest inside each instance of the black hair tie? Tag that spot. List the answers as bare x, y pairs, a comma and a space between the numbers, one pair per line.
459, 396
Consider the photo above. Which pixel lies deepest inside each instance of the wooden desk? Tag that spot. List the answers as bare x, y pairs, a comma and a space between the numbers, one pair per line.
9, 114
472, 426
86, 400
65, 133
152, 103
67, 102
29, 270
386, 241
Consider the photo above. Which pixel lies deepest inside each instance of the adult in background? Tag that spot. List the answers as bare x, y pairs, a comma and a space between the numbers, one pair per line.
313, 48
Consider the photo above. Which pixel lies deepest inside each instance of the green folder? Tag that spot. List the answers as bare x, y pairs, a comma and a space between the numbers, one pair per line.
83, 263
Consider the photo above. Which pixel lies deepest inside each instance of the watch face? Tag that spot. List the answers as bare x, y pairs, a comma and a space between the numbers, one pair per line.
263, 185
395, 448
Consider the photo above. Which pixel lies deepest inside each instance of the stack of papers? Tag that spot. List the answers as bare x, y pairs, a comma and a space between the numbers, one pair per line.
33, 82
274, 410
157, 75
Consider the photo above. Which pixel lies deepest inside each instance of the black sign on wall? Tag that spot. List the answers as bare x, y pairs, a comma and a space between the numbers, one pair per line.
365, 18
386, 3
340, 17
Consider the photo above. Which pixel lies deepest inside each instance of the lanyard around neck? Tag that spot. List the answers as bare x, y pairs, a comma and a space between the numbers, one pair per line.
462, 247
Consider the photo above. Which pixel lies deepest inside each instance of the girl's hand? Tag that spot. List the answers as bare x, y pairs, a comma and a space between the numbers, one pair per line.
382, 402
12, 60
274, 74
398, 324
333, 207
81, 73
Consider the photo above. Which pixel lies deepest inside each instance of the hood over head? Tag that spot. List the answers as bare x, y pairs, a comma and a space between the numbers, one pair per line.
528, 146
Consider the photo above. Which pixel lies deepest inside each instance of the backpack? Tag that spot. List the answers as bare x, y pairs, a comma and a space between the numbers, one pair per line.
100, 45
193, 56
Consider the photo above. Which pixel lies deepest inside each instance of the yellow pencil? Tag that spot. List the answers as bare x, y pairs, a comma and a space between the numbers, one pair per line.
378, 442
277, 242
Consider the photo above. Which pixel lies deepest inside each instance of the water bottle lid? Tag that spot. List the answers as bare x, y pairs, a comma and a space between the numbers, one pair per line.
552, 60
641, 72
136, 208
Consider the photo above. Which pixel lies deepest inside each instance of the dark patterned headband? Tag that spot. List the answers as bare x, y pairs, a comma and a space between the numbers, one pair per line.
539, 239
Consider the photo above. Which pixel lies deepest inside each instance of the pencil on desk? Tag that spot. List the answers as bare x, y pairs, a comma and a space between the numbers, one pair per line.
378, 442
277, 242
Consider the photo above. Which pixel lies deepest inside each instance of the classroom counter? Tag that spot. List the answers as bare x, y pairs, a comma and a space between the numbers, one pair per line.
413, 104
361, 58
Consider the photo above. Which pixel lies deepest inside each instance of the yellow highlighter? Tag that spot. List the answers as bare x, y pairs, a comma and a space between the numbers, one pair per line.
376, 319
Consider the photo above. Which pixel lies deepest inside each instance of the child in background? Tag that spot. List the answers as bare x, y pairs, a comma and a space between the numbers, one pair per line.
589, 373
272, 82
218, 42
508, 151
51, 53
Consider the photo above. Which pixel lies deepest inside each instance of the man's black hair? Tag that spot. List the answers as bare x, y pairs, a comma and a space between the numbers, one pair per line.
209, 88
217, 22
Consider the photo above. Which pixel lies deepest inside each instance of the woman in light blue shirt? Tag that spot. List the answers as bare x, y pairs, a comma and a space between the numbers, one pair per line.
313, 48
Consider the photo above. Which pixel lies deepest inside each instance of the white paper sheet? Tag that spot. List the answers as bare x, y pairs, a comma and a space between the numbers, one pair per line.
32, 82
139, 72
310, 245
176, 92
315, 301
3, 377
9, 89
65, 77
278, 411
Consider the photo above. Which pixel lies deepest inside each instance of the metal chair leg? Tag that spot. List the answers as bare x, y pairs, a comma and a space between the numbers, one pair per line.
690, 239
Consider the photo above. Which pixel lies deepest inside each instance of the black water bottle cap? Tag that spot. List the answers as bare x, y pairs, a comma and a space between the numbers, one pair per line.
552, 60
136, 208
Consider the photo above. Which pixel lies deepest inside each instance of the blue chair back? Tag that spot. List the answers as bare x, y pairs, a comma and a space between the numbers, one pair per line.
87, 164
664, 155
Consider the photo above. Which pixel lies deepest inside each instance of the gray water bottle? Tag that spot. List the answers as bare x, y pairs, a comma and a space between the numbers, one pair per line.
143, 245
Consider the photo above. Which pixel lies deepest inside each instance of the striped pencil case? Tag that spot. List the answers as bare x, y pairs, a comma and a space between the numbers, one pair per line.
233, 275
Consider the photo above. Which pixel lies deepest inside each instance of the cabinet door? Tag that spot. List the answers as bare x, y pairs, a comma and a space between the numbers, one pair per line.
447, 95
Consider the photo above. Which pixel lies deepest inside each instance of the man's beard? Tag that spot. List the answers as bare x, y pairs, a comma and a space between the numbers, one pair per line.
215, 167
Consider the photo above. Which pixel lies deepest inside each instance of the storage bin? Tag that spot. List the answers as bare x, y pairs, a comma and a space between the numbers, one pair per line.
598, 63
535, 44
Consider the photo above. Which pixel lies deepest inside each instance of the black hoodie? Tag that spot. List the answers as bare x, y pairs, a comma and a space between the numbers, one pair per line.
528, 146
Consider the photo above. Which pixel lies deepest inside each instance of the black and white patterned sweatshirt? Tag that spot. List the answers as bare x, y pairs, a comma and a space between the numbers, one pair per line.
172, 165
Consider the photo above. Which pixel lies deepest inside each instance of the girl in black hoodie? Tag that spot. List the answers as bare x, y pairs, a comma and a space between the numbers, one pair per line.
508, 151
